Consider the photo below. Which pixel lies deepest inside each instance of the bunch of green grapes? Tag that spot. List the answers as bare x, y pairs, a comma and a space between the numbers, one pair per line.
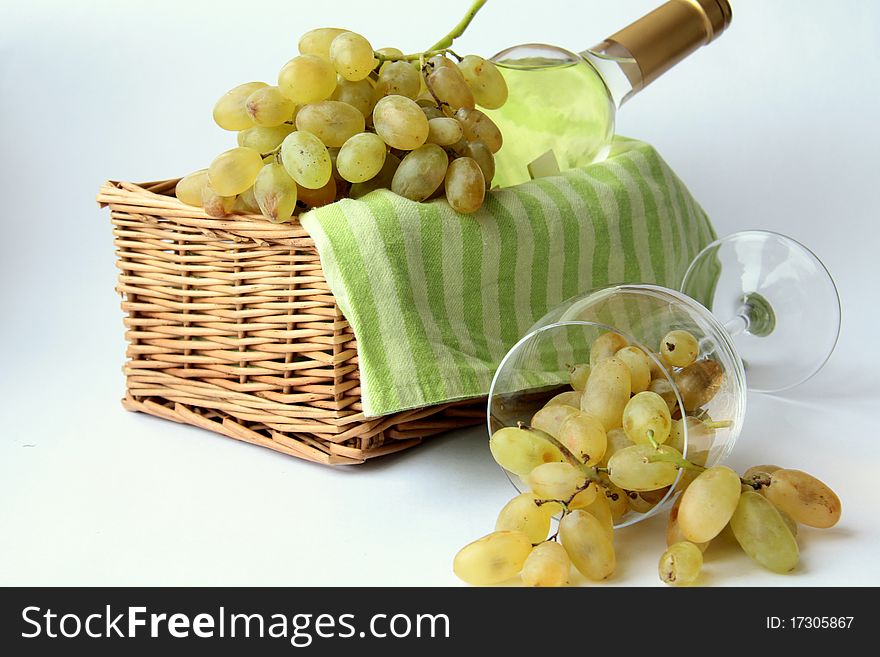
344, 120
613, 445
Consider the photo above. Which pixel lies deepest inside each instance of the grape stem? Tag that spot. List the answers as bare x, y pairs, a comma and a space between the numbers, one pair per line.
679, 461
462, 25
415, 57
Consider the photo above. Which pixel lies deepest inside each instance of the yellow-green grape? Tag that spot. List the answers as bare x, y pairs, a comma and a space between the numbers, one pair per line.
803, 497
584, 498
234, 171
465, 186
790, 522
587, 544
664, 388
600, 506
555, 481
578, 376
433, 112
316, 198
306, 159
708, 503
361, 157
605, 346
317, 42
264, 140
352, 55
215, 205
389, 52
476, 126
631, 468
673, 530
550, 418
399, 78
481, 154
761, 531
331, 121
639, 367
680, 564
679, 348
570, 398
523, 515
189, 189
275, 193
230, 112
381, 180
659, 367
701, 437
547, 565
246, 202
492, 559
448, 85
616, 497
400, 122
698, 383
307, 79
615, 440
485, 81
421, 172
357, 94
268, 107
583, 436
607, 392
443, 130
757, 474
639, 503
646, 417
522, 450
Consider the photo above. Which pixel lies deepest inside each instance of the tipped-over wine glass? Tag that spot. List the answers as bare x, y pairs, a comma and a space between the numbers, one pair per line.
765, 315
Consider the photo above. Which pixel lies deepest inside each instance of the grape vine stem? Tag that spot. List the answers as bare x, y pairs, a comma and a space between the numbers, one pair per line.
462, 25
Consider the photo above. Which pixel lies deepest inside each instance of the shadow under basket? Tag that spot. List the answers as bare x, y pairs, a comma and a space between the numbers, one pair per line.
231, 327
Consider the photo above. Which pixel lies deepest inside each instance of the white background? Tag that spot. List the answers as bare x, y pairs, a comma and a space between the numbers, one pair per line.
773, 126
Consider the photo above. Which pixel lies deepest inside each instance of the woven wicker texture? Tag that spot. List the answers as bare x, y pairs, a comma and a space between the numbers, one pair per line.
231, 327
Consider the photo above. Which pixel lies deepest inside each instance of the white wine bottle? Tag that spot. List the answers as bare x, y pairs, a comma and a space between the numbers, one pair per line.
561, 106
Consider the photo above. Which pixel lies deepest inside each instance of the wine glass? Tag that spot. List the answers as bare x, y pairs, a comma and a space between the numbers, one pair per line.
763, 285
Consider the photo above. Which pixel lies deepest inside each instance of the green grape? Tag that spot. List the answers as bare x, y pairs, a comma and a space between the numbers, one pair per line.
555, 481
317, 42
306, 159
522, 450
189, 189
433, 112
578, 376
230, 112
476, 126
400, 122
570, 398
307, 79
389, 52
638, 503
587, 544
331, 121
465, 186
352, 55
481, 154
758, 474
398, 78
547, 565
585, 497
381, 180
492, 559
615, 440
607, 392
268, 107
664, 388
659, 367
421, 172
803, 497
275, 193
789, 521
361, 157
673, 529
523, 515
701, 437
646, 417
708, 503
247, 202
600, 507
631, 468
584, 436
448, 85
485, 81
698, 383
234, 171
679, 348
443, 130
316, 198
639, 367
617, 503
357, 94
762, 533
264, 140
606, 346
680, 564
215, 205
550, 418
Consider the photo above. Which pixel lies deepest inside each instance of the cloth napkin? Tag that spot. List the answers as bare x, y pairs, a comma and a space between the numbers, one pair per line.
436, 298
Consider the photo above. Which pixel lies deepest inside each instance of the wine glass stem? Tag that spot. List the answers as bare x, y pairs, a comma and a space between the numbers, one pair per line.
737, 325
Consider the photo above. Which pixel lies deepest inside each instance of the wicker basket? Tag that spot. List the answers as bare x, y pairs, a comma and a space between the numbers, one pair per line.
231, 327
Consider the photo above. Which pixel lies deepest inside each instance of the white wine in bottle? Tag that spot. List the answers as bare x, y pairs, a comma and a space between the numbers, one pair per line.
561, 105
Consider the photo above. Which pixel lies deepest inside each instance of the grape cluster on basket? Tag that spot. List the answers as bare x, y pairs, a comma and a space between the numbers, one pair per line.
345, 120
614, 444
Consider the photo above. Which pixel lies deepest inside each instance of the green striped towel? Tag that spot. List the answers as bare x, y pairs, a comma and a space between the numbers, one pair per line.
436, 298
